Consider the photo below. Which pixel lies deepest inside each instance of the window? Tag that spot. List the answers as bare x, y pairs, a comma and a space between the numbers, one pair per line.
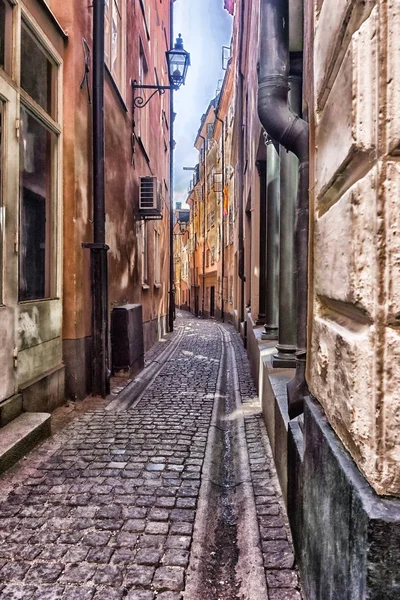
36, 191
157, 258
144, 260
114, 40
5, 36
142, 114
38, 143
38, 72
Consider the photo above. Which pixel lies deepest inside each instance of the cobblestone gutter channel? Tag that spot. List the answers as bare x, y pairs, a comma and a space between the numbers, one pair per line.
226, 561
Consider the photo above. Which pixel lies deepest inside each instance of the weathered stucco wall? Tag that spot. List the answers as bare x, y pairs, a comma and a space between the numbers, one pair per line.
354, 363
123, 169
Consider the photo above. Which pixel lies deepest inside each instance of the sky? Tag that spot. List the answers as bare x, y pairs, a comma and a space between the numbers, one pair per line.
205, 27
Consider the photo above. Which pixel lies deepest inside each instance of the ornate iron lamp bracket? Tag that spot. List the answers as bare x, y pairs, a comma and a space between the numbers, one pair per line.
139, 101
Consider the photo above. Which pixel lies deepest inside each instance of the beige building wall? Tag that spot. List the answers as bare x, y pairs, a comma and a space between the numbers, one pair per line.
353, 365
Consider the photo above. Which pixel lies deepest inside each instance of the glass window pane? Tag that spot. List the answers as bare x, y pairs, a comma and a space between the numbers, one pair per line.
36, 185
36, 71
5, 35
107, 33
116, 43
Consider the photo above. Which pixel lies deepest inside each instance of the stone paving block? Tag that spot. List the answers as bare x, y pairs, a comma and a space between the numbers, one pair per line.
109, 594
44, 572
79, 573
14, 570
18, 591
181, 528
157, 527
139, 575
78, 593
169, 578
140, 595
181, 542
284, 578
169, 596
152, 541
148, 556
176, 558
108, 575
99, 555
49, 593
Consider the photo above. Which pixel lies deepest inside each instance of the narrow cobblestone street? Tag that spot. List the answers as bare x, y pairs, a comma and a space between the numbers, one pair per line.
166, 491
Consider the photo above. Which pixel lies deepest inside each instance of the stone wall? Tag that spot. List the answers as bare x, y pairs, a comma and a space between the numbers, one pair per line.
354, 367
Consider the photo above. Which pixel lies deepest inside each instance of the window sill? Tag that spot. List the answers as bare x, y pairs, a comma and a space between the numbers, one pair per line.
145, 286
115, 87
157, 286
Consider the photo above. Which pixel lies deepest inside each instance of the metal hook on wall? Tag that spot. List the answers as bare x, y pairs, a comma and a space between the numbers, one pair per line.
85, 79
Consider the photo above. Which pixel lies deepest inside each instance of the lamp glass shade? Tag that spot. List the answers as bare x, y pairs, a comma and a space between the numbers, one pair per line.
178, 62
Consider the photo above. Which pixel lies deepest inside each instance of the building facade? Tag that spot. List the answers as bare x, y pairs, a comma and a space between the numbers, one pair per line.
32, 131
313, 147
47, 199
137, 145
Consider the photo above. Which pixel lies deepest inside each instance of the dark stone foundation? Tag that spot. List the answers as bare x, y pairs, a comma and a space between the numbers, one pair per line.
348, 537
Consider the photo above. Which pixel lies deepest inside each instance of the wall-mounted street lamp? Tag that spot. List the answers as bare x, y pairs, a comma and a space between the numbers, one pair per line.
178, 61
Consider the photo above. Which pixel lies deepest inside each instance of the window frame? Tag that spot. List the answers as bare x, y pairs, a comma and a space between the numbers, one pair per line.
144, 260
54, 126
119, 79
157, 257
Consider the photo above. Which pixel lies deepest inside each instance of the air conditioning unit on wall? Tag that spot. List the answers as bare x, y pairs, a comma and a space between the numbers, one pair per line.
150, 198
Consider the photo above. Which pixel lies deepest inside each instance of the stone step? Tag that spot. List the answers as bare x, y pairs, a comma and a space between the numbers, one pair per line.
10, 409
22, 435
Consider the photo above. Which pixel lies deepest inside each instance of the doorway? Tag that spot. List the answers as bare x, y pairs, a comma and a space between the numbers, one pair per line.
212, 301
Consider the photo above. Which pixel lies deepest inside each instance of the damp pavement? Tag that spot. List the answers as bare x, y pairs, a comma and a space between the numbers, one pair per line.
166, 491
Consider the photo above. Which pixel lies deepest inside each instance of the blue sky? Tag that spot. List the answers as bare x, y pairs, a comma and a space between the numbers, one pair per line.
205, 27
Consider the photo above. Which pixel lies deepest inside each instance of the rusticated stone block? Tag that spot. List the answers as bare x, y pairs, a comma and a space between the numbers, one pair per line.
346, 130
333, 32
345, 248
388, 477
392, 194
393, 77
342, 377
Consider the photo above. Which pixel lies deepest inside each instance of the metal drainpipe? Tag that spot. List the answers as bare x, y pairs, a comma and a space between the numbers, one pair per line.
272, 243
292, 133
222, 210
285, 357
98, 249
171, 188
204, 226
262, 173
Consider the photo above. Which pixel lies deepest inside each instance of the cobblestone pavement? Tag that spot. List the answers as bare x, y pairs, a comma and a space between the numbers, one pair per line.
107, 507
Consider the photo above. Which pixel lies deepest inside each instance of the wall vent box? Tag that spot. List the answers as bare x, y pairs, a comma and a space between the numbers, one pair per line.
150, 198
127, 344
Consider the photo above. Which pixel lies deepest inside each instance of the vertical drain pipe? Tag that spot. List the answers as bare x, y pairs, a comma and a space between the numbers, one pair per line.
98, 249
272, 245
286, 347
171, 310
223, 219
292, 133
204, 225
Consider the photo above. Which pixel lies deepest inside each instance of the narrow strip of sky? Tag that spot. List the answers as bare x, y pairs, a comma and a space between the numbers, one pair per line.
205, 27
